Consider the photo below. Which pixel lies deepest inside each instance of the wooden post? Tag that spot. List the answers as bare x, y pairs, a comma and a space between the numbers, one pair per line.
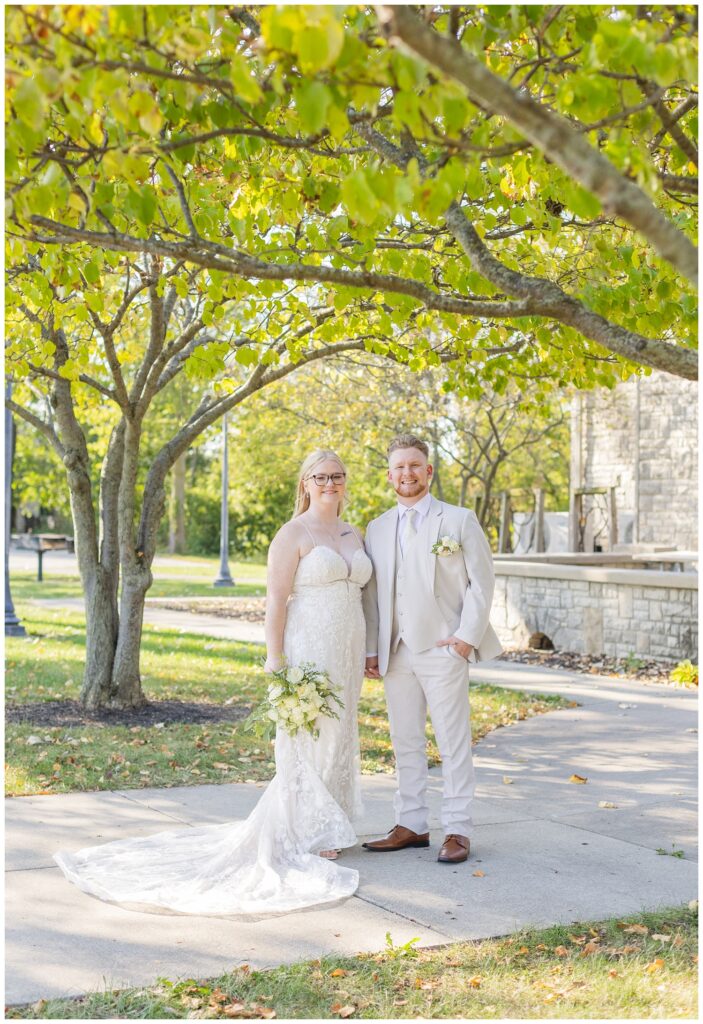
613, 520
539, 519
504, 545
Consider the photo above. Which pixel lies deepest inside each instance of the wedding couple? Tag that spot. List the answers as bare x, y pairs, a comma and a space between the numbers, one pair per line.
411, 605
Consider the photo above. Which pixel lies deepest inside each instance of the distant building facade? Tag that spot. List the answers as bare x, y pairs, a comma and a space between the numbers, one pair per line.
642, 439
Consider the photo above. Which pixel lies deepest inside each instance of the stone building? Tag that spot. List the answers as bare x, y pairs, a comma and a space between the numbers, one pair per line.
638, 444
640, 438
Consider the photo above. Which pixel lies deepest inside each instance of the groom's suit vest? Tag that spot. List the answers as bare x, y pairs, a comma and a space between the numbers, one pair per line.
400, 595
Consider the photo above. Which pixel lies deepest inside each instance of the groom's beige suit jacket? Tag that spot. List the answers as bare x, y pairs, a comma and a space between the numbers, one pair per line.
446, 594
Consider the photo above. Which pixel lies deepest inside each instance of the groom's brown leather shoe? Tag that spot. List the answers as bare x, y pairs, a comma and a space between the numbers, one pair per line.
399, 838
455, 849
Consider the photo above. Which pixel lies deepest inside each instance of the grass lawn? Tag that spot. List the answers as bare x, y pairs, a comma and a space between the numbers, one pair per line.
47, 665
640, 967
251, 582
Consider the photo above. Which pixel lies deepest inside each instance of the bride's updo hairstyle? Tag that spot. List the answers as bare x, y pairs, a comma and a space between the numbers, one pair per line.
302, 498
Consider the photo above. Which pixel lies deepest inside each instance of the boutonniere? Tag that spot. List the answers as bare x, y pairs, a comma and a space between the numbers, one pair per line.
446, 546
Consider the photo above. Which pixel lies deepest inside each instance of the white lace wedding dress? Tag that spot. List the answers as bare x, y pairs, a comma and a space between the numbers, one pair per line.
268, 863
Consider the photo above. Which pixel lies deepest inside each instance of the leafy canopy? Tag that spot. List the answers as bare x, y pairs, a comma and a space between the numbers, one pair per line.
307, 165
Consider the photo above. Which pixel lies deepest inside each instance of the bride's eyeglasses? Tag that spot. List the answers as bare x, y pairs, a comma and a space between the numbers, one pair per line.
322, 479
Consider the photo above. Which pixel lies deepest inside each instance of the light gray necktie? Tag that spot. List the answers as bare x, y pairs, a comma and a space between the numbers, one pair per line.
410, 528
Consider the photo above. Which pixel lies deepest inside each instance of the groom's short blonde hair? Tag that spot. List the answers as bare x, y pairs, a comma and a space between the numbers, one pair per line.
408, 441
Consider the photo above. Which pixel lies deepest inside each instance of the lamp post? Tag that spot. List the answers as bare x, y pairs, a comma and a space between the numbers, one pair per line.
13, 626
224, 579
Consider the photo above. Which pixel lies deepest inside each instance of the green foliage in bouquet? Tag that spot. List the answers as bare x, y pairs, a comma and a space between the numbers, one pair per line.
297, 697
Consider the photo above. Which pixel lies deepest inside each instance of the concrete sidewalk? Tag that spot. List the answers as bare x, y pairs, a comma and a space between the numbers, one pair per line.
548, 851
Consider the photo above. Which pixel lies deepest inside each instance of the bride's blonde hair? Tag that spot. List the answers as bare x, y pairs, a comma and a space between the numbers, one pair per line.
302, 498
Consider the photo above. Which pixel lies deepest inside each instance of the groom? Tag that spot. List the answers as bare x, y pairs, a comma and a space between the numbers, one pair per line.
426, 609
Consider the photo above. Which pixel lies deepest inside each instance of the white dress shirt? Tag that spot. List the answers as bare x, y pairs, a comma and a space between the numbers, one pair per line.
421, 509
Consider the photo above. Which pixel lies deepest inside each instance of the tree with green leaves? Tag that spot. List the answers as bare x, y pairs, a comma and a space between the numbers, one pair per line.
505, 191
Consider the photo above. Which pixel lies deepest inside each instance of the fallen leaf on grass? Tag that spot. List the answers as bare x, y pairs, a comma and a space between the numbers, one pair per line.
475, 981
637, 929
561, 951
342, 1011
590, 947
660, 938
219, 764
656, 965
31, 740
338, 972
612, 973
580, 779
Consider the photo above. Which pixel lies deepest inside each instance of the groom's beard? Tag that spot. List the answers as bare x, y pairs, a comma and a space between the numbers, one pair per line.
410, 490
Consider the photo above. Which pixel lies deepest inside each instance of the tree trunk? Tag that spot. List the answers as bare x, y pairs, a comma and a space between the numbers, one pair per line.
101, 629
126, 683
176, 511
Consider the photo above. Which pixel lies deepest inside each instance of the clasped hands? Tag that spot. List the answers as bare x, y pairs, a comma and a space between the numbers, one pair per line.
460, 646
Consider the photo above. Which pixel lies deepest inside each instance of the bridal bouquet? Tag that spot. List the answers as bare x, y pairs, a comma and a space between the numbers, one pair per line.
296, 698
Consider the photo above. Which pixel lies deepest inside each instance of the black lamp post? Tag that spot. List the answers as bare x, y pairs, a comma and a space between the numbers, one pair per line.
224, 579
13, 626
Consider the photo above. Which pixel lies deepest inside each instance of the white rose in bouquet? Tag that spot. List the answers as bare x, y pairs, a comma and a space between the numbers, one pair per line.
295, 675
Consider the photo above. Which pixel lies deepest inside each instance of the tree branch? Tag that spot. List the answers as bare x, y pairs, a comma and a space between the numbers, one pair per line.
38, 423
547, 130
542, 296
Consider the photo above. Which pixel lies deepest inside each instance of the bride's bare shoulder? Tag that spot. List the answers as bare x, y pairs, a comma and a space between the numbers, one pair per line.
291, 534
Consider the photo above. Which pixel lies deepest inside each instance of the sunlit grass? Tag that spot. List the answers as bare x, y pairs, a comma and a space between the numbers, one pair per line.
55, 587
594, 970
48, 665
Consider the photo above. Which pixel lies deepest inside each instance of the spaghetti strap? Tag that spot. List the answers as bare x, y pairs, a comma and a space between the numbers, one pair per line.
358, 538
314, 543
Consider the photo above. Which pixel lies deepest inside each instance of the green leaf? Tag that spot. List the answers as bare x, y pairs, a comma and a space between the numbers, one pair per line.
312, 100
582, 202
359, 198
29, 103
241, 78
247, 356
319, 45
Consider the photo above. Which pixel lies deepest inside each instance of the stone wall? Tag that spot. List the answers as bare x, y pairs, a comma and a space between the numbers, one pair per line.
642, 439
616, 612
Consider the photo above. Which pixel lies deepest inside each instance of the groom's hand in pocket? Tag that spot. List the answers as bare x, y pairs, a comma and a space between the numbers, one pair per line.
463, 649
371, 670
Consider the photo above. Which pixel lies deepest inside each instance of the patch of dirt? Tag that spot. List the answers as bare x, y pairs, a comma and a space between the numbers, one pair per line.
251, 609
162, 712
594, 664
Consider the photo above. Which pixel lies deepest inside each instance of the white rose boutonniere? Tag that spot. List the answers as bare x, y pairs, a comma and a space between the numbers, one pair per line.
446, 546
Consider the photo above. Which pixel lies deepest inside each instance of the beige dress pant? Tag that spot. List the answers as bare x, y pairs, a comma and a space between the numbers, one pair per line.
437, 679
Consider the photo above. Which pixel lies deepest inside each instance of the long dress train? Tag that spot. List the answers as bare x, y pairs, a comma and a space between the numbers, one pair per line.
268, 863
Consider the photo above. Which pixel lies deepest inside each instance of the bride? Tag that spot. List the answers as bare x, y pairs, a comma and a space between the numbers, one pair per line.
281, 858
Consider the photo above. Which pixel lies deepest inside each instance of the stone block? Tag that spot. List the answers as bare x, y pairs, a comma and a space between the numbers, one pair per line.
642, 643
593, 630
